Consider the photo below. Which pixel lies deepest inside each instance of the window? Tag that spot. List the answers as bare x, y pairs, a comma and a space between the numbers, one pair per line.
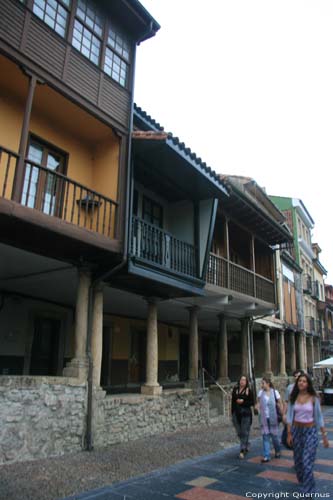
117, 56
88, 29
42, 187
152, 212
89, 33
54, 13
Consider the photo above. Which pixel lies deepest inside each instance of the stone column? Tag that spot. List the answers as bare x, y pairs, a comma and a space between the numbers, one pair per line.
282, 355
292, 348
152, 387
268, 362
316, 350
311, 352
223, 351
244, 347
300, 349
305, 353
97, 335
78, 366
193, 345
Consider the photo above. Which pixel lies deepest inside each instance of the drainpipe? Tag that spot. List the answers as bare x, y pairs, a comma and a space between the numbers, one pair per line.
99, 279
94, 284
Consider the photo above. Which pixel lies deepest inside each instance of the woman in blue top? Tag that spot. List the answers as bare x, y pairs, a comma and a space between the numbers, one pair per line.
304, 419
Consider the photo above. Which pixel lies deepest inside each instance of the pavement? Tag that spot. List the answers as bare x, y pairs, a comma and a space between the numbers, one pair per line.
223, 476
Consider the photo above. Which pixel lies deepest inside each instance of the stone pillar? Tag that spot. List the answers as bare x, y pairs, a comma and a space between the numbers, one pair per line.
97, 335
244, 347
78, 366
282, 355
316, 350
223, 351
305, 353
193, 345
151, 386
292, 348
268, 362
311, 352
300, 349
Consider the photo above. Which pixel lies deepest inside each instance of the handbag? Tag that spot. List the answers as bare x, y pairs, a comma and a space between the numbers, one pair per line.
277, 407
284, 438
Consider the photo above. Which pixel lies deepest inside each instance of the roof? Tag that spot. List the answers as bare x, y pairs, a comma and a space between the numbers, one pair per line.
148, 126
256, 193
135, 17
260, 221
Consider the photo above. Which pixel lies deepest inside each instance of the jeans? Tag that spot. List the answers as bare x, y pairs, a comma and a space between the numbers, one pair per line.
266, 439
242, 426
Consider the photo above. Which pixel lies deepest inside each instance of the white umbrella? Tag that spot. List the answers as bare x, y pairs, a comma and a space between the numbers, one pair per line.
325, 363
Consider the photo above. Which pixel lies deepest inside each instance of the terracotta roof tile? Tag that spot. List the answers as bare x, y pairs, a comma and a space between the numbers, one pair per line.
150, 134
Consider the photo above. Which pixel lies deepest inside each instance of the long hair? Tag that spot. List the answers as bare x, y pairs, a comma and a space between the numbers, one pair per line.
247, 382
295, 391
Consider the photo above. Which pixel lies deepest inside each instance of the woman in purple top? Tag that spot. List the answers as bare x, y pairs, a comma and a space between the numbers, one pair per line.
304, 419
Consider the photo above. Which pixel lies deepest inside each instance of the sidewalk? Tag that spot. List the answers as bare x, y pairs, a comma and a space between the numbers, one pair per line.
223, 476
206, 467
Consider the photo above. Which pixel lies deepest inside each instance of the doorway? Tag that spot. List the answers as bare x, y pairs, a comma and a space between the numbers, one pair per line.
44, 359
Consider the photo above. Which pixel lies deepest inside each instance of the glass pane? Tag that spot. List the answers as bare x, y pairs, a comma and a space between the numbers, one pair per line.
53, 161
35, 153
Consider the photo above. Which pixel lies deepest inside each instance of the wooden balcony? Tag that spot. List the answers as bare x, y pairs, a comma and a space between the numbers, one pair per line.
230, 276
55, 195
157, 248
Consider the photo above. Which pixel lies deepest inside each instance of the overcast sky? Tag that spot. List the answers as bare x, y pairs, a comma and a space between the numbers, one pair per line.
248, 86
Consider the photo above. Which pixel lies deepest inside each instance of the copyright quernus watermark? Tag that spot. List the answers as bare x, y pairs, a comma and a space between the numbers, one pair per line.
277, 495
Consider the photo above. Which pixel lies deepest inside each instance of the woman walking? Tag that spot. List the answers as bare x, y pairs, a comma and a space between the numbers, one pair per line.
268, 401
304, 419
241, 402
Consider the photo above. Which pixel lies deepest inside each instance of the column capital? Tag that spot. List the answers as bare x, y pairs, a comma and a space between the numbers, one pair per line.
152, 300
193, 308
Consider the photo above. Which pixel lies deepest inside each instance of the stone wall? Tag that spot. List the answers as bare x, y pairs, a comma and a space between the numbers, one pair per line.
133, 416
40, 417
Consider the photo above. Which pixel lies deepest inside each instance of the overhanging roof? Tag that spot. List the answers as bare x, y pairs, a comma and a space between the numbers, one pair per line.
169, 159
241, 207
135, 17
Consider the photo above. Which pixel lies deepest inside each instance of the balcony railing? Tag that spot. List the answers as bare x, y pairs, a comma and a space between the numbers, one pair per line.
315, 290
318, 327
310, 325
307, 284
56, 195
226, 274
159, 248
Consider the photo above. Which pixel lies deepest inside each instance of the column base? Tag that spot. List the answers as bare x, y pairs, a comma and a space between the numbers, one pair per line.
77, 368
223, 380
283, 375
268, 375
151, 390
192, 384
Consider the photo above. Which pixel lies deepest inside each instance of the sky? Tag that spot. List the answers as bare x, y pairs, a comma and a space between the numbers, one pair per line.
248, 86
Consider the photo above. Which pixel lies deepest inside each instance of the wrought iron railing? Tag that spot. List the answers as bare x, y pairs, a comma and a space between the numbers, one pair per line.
158, 247
307, 284
226, 274
310, 325
315, 290
57, 195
